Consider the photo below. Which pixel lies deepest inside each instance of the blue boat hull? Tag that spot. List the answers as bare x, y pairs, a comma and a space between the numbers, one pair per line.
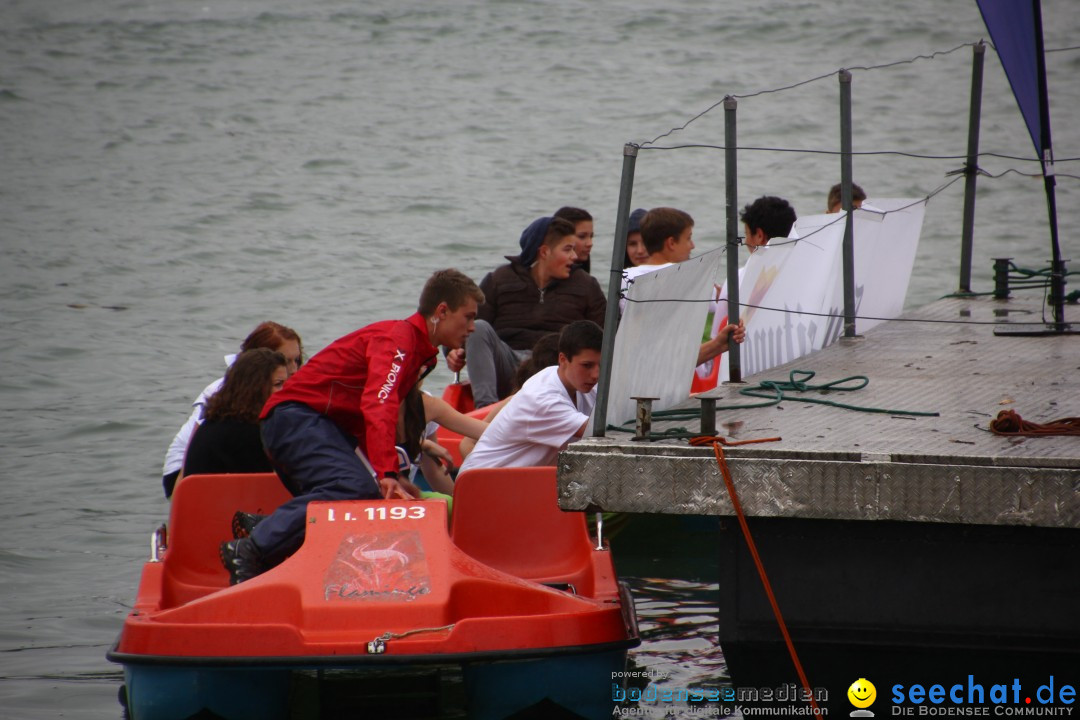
578, 683
178, 693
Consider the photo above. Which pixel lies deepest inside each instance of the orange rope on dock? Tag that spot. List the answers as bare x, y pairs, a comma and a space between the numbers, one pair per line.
717, 445
1009, 422
707, 440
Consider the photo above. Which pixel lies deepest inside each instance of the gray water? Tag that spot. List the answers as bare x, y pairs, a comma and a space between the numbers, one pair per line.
175, 172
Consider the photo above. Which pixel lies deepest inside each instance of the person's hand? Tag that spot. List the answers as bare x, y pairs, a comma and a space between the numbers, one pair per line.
397, 488
722, 341
413, 491
737, 332
438, 452
455, 359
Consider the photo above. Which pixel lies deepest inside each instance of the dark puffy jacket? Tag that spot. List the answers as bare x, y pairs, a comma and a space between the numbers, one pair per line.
522, 313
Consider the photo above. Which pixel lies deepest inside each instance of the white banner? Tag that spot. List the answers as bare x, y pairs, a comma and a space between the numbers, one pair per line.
659, 337
807, 276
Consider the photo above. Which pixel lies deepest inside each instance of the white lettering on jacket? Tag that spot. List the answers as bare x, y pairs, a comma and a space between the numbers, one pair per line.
391, 377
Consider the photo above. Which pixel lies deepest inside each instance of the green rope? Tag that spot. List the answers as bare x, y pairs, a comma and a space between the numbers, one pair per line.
1012, 286
1045, 272
794, 384
1023, 279
773, 391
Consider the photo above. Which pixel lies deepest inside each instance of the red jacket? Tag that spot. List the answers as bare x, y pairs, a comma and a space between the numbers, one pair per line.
358, 381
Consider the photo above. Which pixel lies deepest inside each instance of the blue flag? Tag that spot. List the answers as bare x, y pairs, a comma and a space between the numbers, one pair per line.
1016, 30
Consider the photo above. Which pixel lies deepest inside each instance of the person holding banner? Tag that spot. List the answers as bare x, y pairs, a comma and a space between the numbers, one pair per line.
765, 218
668, 236
672, 240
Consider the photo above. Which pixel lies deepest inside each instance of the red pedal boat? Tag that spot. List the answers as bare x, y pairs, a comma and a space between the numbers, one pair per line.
513, 592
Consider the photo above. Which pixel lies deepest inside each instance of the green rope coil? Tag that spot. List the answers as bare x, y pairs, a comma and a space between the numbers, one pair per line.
774, 392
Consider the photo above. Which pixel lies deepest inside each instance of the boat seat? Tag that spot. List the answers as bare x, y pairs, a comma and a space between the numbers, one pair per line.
459, 396
509, 518
201, 519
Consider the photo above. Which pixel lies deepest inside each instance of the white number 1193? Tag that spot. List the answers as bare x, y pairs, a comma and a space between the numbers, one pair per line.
398, 512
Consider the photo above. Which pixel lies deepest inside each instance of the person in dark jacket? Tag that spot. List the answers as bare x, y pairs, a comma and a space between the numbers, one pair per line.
538, 292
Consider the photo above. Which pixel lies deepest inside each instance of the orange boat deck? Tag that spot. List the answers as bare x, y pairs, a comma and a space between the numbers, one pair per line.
390, 573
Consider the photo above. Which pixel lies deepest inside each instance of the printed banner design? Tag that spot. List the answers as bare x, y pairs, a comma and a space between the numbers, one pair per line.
807, 277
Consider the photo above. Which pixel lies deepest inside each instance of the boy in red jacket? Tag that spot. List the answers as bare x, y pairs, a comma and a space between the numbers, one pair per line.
330, 432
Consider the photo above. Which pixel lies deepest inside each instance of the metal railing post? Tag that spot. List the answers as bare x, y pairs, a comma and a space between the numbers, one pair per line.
732, 201
845, 200
971, 168
611, 317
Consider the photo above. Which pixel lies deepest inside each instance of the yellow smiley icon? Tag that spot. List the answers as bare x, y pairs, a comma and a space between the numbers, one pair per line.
862, 693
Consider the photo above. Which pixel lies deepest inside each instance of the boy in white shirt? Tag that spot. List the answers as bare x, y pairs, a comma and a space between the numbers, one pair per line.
668, 235
551, 409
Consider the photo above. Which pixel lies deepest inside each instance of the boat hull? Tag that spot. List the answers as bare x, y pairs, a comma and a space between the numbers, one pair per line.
163, 692
576, 680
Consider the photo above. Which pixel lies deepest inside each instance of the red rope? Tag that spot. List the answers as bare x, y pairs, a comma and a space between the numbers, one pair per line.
717, 444
1009, 422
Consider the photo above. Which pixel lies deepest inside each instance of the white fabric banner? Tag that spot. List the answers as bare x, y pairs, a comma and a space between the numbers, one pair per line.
788, 276
656, 346
807, 276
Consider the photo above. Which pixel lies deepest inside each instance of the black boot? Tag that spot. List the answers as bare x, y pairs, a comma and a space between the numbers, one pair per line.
244, 522
242, 559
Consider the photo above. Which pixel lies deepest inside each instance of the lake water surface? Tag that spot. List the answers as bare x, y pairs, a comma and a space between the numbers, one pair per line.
175, 172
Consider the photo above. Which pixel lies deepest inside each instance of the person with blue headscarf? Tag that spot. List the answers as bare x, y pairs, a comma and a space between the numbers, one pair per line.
539, 291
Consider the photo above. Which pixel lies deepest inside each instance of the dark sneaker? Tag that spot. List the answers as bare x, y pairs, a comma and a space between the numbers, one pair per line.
244, 522
242, 559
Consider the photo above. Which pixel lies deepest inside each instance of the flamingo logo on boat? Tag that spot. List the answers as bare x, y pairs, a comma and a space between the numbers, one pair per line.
388, 566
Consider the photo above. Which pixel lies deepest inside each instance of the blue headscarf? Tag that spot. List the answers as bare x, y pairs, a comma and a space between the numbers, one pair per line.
635, 220
531, 240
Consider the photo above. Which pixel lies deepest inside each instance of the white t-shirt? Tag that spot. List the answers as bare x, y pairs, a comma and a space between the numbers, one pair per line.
629, 274
538, 422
